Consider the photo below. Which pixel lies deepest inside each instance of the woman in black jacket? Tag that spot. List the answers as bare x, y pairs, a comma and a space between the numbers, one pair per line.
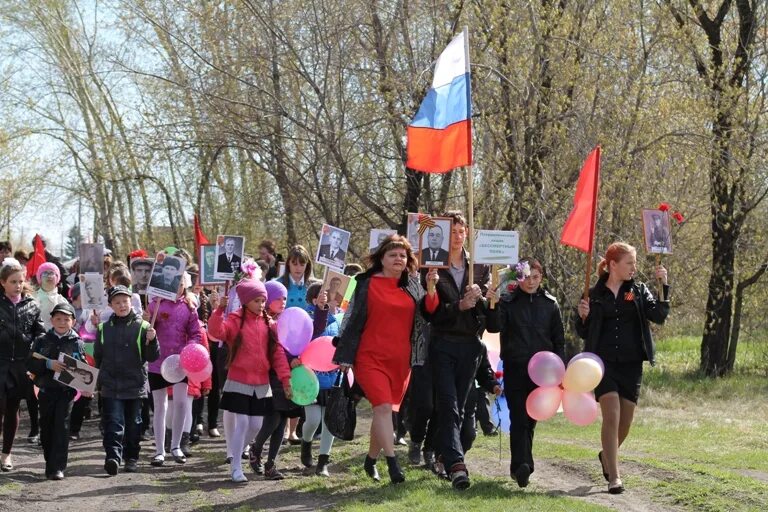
614, 325
20, 324
529, 321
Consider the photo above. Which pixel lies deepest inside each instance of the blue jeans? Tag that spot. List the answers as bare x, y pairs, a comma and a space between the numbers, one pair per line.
122, 428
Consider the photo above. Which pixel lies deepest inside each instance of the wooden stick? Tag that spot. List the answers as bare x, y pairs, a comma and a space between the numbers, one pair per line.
661, 288
585, 295
471, 215
494, 283
154, 315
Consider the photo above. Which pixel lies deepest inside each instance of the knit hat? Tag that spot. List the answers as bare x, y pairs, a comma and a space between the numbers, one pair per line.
48, 267
249, 289
63, 307
118, 290
275, 290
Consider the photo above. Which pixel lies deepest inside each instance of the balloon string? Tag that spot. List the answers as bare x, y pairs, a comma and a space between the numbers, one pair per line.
498, 427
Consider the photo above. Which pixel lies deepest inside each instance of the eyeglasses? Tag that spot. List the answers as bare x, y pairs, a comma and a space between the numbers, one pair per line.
48, 273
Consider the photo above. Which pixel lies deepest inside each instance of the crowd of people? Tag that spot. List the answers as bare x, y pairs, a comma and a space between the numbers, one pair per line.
412, 337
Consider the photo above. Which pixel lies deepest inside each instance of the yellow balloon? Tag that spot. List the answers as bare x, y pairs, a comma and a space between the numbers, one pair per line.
582, 376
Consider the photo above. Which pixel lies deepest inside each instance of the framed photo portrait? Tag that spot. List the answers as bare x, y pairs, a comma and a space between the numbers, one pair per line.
167, 275
335, 284
207, 259
77, 375
141, 271
332, 250
92, 291
412, 232
656, 232
91, 258
435, 243
229, 256
377, 236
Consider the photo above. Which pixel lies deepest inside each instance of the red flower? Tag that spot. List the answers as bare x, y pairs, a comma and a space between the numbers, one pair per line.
511, 287
664, 207
138, 253
499, 375
678, 217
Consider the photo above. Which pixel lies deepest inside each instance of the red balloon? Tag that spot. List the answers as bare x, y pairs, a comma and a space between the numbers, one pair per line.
194, 358
319, 354
543, 402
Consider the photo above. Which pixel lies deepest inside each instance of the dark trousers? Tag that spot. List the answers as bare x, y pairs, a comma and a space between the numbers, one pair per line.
422, 419
455, 365
9, 417
122, 428
468, 428
198, 404
483, 411
79, 409
32, 408
517, 387
218, 377
272, 429
55, 410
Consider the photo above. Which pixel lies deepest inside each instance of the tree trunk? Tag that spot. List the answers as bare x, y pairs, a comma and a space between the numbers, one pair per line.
737, 309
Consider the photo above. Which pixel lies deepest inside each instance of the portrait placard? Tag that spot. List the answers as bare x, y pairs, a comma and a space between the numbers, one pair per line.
434, 242
207, 259
656, 230
412, 232
496, 247
280, 268
141, 271
229, 256
333, 246
92, 291
378, 236
335, 284
167, 275
78, 374
91, 258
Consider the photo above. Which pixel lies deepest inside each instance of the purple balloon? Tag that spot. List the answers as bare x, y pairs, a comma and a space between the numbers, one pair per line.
294, 330
589, 355
546, 369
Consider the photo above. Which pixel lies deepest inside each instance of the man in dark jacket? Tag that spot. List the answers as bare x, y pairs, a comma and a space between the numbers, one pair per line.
529, 321
124, 344
456, 347
55, 398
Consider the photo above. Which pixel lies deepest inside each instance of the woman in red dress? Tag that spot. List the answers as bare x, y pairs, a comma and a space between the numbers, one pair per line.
381, 336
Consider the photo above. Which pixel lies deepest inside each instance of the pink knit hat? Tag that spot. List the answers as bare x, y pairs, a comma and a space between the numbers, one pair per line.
249, 289
48, 267
275, 290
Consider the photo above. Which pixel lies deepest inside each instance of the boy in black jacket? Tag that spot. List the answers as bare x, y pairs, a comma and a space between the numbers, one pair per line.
123, 345
55, 398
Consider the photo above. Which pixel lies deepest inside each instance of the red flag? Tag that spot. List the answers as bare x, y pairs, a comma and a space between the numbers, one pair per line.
579, 229
37, 259
200, 238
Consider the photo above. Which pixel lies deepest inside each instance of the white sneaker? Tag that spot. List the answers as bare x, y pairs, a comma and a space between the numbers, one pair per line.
6, 464
199, 429
238, 477
214, 432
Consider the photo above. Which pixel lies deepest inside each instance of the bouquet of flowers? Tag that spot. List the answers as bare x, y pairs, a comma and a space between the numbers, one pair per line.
249, 269
512, 276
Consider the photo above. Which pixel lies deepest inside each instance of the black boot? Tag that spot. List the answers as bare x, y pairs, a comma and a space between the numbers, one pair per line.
396, 474
306, 453
322, 466
167, 443
370, 468
184, 444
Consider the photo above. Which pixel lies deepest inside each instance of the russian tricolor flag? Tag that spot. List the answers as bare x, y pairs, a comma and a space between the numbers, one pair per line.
440, 136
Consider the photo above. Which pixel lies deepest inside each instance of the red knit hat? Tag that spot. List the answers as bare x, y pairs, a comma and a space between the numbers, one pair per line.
249, 289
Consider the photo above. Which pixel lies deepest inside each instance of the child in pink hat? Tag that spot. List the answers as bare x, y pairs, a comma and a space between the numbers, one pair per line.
48, 277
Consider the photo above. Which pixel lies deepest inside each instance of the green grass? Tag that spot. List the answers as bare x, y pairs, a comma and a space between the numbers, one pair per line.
696, 444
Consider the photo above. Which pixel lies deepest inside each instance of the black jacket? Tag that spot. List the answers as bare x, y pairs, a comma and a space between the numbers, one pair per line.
351, 330
648, 309
528, 323
51, 346
448, 322
120, 351
20, 324
485, 374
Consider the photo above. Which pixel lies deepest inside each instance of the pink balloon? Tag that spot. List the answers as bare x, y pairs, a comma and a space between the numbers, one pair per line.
350, 377
546, 369
319, 354
194, 358
589, 355
543, 402
201, 375
77, 396
579, 408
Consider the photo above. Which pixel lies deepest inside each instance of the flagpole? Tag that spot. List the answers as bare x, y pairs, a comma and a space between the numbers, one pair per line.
592, 228
468, 169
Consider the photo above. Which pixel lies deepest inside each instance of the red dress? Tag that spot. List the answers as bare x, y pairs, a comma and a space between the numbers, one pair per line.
383, 362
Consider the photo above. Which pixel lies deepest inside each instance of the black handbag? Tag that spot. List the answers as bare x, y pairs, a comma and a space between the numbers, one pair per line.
340, 414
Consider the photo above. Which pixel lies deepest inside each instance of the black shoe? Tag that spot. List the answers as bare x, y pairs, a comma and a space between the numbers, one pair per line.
602, 466
322, 466
178, 456
617, 487
255, 462
294, 442
459, 477
490, 433
271, 472
429, 459
370, 468
184, 444
306, 454
194, 438
56, 475
167, 441
414, 453
111, 467
131, 466
522, 475
396, 474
